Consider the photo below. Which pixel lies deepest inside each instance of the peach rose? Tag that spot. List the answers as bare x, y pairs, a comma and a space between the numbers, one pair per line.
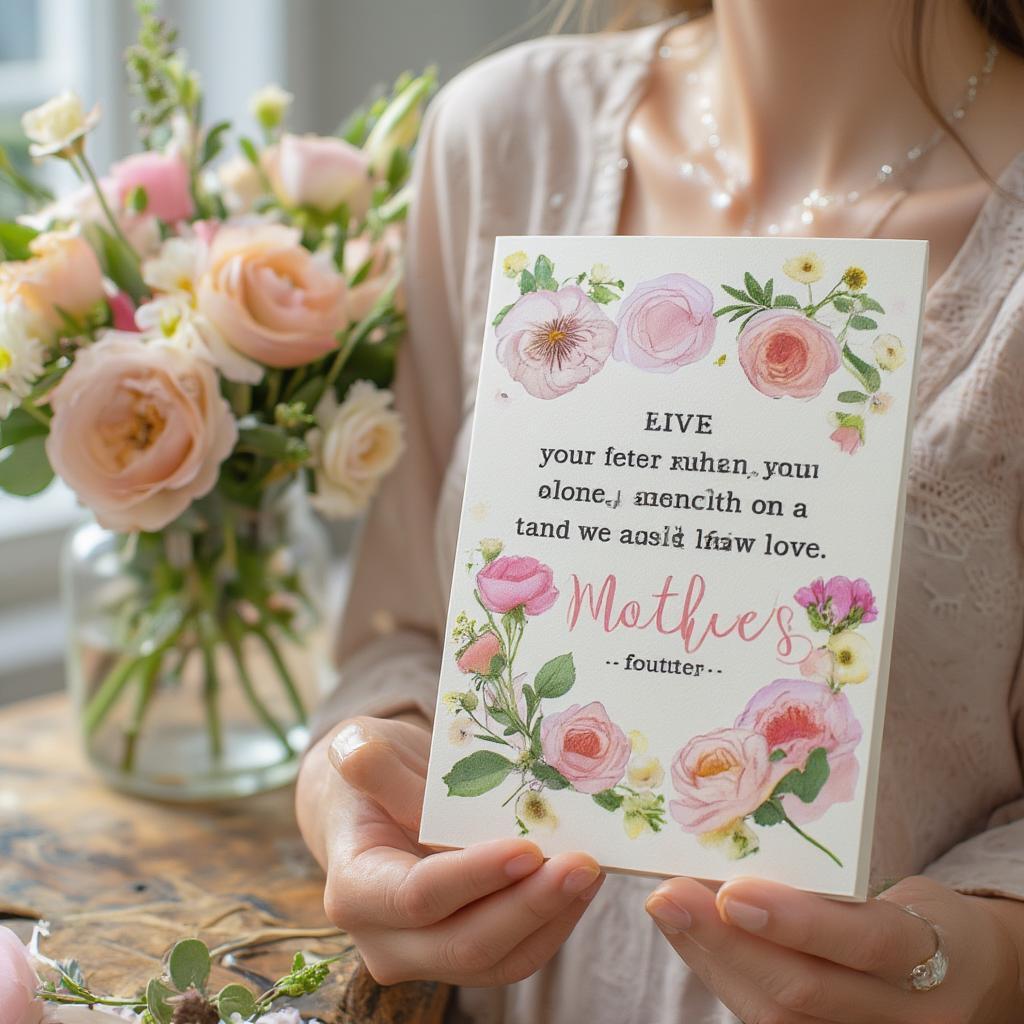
62, 271
163, 177
586, 746
666, 323
18, 982
785, 353
319, 171
270, 298
139, 430
720, 776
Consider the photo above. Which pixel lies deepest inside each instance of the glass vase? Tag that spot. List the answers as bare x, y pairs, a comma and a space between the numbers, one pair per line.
195, 654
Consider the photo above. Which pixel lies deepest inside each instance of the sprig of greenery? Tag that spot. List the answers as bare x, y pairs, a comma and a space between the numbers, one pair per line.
754, 298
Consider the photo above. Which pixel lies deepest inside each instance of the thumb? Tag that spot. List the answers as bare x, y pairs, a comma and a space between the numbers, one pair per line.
366, 753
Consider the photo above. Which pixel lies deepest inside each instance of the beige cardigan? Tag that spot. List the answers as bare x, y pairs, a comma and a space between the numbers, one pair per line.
530, 142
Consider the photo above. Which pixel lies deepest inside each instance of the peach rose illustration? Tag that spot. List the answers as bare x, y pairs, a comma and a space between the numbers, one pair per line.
551, 342
479, 655
270, 298
719, 777
139, 430
666, 323
62, 271
514, 580
797, 716
785, 353
586, 746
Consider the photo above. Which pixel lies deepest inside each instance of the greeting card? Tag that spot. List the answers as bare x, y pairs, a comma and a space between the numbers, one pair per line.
668, 639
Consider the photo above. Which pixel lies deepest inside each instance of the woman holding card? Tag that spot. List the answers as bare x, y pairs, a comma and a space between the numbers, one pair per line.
818, 131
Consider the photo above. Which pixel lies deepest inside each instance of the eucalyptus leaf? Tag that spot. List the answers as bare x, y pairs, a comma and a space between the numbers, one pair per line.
236, 999
157, 1001
189, 965
26, 470
20, 426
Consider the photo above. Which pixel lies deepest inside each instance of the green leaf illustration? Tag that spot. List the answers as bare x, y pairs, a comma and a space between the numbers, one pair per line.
608, 799
736, 293
806, 784
777, 755
729, 309
544, 274
866, 302
527, 282
478, 773
770, 813
843, 303
863, 323
852, 397
551, 777
786, 302
769, 288
864, 371
555, 677
532, 700
599, 293
753, 288
502, 313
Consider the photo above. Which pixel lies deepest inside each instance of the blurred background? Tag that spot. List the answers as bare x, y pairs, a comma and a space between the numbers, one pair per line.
332, 54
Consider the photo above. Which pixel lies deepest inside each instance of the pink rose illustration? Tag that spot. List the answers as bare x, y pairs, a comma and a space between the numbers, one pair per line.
586, 746
477, 657
848, 438
164, 179
819, 665
798, 716
720, 776
551, 342
785, 353
513, 580
665, 323
836, 598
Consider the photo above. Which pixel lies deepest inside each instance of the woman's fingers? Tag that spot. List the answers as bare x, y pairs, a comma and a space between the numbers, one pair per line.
874, 937
728, 959
388, 888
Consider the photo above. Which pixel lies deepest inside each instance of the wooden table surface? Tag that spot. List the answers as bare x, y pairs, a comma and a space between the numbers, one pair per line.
121, 879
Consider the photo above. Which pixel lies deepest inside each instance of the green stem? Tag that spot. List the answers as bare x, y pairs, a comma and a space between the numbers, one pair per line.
232, 635
486, 729
211, 698
143, 698
90, 1000
273, 388
109, 690
282, 670
522, 786
91, 175
36, 413
814, 842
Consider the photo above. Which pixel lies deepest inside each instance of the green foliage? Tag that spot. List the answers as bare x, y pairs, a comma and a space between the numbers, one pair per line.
26, 470
608, 799
555, 677
189, 965
14, 240
478, 773
551, 777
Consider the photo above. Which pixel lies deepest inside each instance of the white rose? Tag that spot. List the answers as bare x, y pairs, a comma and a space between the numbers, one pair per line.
58, 124
355, 445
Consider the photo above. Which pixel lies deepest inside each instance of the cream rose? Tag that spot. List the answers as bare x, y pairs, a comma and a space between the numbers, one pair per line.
58, 124
62, 272
270, 298
355, 446
139, 430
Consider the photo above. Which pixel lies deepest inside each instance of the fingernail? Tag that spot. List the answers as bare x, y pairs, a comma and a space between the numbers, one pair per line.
671, 916
580, 879
523, 865
348, 739
745, 915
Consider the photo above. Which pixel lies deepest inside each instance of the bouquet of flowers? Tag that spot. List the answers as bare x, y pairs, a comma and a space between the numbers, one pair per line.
191, 337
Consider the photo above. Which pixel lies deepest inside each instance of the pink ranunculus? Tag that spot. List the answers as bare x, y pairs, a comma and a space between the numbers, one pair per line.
383, 258
271, 299
848, 438
479, 655
586, 746
797, 716
551, 342
720, 776
139, 430
319, 171
836, 597
513, 580
18, 982
666, 323
164, 177
786, 353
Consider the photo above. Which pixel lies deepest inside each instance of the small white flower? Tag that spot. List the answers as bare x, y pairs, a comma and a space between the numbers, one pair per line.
889, 352
645, 772
175, 269
735, 840
601, 273
805, 269
22, 356
355, 445
269, 105
460, 732
58, 124
852, 655
637, 741
535, 812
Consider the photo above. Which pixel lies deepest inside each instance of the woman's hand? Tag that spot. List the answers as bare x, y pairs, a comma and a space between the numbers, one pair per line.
488, 915
776, 955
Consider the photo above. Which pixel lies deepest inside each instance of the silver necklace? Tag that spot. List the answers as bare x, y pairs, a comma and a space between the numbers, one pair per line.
732, 179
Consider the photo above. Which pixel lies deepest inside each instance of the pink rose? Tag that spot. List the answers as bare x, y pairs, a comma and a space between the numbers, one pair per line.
139, 430
785, 353
62, 272
479, 655
837, 597
379, 263
586, 746
666, 323
319, 171
551, 342
513, 580
18, 982
122, 311
270, 298
720, 776
848, 438
797, 716
163, 177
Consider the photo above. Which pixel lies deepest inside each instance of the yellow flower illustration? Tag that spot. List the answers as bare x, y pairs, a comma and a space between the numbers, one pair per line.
645, 772
852, 655
515, 263
535, 812
806, 269
638, 741
636, 817
855, 279
888, 350
452, 700
735, 840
